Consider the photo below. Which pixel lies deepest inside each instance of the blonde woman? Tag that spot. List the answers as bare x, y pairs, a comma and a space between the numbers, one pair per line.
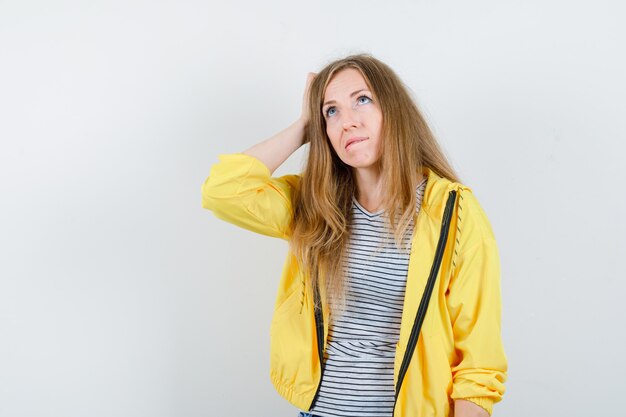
389, 299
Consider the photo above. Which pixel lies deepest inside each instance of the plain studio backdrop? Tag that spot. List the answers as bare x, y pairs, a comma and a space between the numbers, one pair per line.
121, 297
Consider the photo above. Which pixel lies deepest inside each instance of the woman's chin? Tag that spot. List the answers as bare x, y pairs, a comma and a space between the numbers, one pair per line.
360, 163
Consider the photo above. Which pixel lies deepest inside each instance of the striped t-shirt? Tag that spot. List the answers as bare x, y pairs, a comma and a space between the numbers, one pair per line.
359, 357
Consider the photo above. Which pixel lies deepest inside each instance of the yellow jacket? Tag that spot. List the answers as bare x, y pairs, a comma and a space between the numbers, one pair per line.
458, 354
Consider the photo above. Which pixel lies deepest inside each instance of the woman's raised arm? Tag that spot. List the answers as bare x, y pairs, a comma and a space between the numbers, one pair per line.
241, 190
275, 150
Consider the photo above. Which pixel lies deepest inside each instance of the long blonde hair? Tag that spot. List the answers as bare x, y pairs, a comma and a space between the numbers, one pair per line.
320, 227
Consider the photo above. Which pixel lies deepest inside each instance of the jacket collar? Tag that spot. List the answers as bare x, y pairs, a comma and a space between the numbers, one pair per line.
436, 192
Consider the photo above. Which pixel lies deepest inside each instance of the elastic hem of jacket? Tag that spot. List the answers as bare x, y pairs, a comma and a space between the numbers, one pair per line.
484, 402
285, 390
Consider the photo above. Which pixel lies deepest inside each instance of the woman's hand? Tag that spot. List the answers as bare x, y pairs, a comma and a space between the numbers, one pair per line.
305, 99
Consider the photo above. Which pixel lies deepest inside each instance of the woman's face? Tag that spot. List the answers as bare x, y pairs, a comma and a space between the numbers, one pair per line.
353, 120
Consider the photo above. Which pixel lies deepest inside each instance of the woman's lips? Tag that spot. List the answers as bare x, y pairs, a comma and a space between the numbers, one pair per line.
352, 141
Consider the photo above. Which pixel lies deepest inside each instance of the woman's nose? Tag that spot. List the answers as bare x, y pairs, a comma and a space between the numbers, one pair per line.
350, 119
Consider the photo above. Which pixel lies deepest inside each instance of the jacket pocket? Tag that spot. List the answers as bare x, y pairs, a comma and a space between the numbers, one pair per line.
290, 305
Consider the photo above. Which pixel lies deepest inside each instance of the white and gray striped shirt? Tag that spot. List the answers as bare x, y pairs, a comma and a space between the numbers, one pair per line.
359, 358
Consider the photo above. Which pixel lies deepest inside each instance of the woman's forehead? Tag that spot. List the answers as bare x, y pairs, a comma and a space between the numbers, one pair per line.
345, 83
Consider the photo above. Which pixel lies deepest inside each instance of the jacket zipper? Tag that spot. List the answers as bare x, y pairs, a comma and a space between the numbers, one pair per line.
319, 327
430, 285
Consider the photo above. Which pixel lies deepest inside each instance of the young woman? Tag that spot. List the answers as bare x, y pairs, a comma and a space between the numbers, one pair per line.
389, 300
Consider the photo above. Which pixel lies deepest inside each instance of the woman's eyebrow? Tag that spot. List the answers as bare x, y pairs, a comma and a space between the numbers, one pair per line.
351, 95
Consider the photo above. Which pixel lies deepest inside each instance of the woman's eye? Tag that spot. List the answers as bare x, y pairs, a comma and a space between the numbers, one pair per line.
361, 100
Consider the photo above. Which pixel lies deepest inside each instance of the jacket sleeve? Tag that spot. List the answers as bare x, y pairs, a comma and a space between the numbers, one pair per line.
241, 191
474, 305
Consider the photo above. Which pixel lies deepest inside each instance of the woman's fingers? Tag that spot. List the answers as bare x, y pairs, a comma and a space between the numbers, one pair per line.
305, 99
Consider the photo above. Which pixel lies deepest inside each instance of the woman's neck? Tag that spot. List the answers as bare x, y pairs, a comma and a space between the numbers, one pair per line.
368, 188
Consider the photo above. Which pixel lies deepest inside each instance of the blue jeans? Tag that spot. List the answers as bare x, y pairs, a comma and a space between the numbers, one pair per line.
303, 414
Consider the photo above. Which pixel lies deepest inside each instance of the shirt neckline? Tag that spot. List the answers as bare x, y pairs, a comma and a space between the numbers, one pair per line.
365, 211
379, 212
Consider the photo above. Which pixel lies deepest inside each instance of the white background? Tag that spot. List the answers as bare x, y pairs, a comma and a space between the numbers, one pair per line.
121, 296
